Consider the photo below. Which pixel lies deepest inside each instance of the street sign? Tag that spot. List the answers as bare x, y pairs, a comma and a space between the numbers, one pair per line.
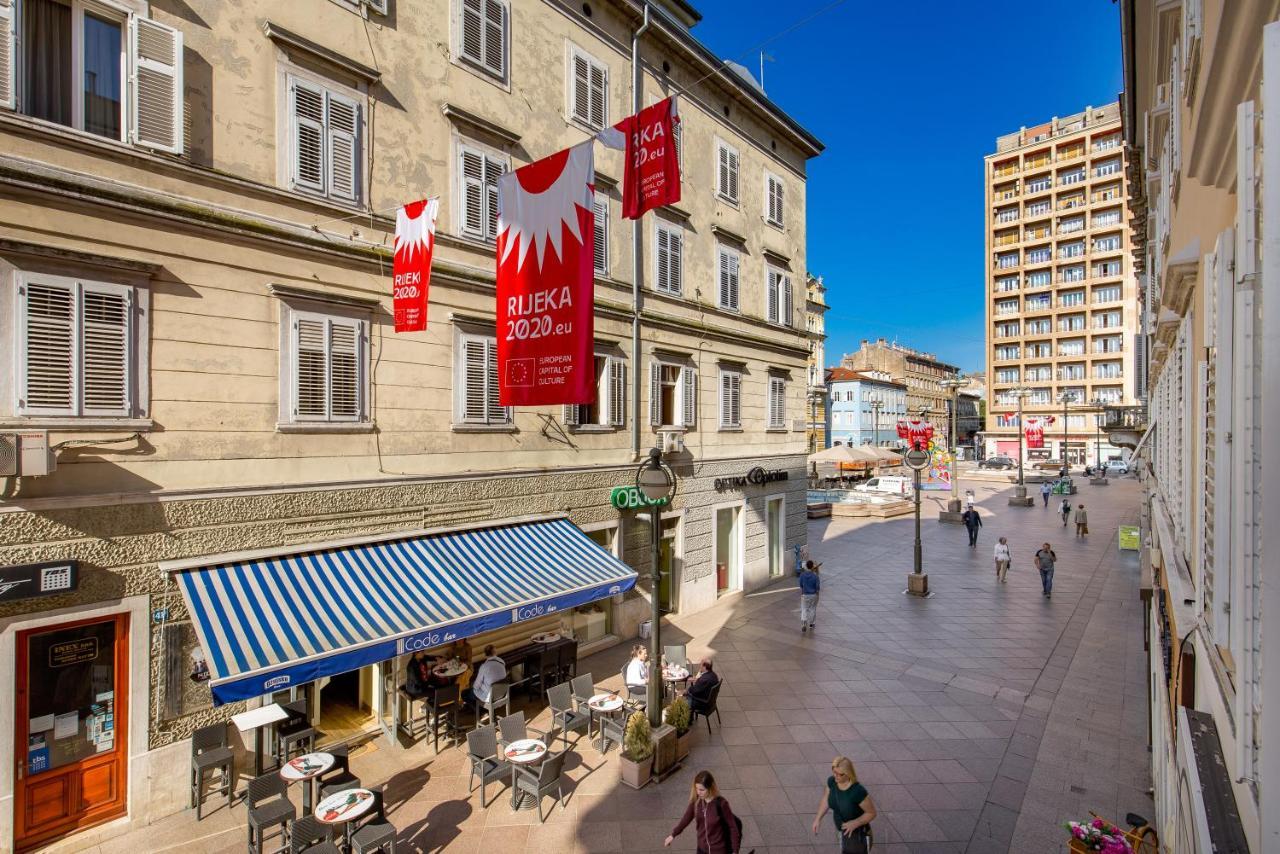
916, 459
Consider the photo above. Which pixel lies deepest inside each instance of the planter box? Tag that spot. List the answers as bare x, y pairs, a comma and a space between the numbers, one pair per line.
635, 774
683, 745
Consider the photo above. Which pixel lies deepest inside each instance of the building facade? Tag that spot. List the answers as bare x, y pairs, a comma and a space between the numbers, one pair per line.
1202, 117
969, 424
864, 408
195, 274
1061, 295
921, 373
815, 306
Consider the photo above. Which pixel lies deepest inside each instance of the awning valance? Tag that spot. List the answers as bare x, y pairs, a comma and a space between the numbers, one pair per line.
270, 622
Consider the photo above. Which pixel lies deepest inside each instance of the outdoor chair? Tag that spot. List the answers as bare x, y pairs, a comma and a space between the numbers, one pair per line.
567, 660
374, 833
339, 777
675, 654
708, 709
482, 750
499, 697
612, 729
296, 733
540, 671
313, 836
635, 697
546, 779
269, 806
410, 725
444, 705
584, 688
514, 728
563, 714
210, 751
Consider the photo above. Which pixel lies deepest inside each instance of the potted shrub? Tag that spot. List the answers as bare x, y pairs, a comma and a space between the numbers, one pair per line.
679, 715
637, 751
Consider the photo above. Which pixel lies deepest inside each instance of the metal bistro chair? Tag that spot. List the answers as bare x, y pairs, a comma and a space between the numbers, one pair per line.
708, 709
443, 708
482, 750
563, 714
499, 696
269, 805
514, 728
547, 779
296, 733
635, 697
313, 836
374, 832
339, 777
210, 751
584, 688
567, 660
612, 730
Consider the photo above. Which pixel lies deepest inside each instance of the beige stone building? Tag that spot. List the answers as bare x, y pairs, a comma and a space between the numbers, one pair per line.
195, 275
922, 373
1061, 295
816, 308
1202, 115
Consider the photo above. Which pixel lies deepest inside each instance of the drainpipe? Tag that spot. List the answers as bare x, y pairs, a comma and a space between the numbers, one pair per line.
637, 261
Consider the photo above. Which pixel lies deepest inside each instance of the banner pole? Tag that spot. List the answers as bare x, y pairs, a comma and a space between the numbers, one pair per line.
637, 262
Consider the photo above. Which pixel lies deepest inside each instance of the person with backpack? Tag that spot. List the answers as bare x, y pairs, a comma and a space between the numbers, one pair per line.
850, 805
1045, 560
1065, 509
719, 831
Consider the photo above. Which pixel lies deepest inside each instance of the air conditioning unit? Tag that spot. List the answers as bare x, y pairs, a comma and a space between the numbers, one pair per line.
35, 458
8, 454
672, 442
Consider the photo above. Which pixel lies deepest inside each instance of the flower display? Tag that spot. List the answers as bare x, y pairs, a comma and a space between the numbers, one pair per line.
1099, 835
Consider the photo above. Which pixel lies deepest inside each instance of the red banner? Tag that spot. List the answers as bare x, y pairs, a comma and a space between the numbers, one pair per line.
1035, 430
902, 429
411, 265
651, 173
919, 434
546, 278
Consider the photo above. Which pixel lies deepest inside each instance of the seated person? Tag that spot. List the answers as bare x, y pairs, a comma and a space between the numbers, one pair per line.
435, 680
462, 651
418, 681
494, 669
637, 673
699, 693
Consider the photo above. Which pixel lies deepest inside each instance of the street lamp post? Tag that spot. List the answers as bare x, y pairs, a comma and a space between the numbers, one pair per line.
657, 483
1066, 398
876, 403
1020, 498
1099, 479
953, 385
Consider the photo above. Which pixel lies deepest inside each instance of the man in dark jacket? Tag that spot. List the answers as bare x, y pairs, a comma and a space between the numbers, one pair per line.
699, 693
972, 521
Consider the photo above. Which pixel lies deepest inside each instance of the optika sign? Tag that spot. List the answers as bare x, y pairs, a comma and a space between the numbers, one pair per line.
756, 477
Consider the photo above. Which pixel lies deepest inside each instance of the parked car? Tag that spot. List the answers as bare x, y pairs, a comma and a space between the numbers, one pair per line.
888, 485
998, 463
1117, 467
1049, 465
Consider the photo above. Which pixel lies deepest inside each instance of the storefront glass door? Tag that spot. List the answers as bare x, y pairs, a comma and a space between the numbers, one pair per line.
777, 542
727, 550
72, 687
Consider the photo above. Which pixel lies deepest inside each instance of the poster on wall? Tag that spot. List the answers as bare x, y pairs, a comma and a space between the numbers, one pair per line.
411, 263
546, 281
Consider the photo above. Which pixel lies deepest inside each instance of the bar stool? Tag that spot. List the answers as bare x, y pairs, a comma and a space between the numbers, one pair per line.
210, 751
296, 733
313, 836
269, 805
499, 695
409, 726
339, 777
375, 833
445, 702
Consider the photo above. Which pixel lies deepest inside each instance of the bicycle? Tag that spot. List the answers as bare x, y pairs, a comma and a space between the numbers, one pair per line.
1141, 836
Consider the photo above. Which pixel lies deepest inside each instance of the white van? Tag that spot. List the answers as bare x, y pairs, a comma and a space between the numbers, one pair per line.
889, 485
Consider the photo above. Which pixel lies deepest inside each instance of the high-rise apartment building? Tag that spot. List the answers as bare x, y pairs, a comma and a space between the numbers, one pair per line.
1061, 295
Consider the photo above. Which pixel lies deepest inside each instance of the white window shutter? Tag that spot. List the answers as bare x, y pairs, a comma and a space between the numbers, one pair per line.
343, 130
495, 36
617, 392
474, 372
570, 415
599, 96
600, 213
773, 283
675, 261
722, 174
655, 394
492, 169
473, 193
49, 351
105, 335
310, 369
379, 6
156, 70
581, 93
8, 65
677, 134
688, 397
495, 413
345, 369
663, 240
473, 30
306, 107
733, 175
787, 308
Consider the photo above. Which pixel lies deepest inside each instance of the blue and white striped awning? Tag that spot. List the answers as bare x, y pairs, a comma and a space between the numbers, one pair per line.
271, 622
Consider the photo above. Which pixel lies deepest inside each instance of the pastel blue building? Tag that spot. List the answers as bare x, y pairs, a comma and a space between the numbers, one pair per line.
863, 408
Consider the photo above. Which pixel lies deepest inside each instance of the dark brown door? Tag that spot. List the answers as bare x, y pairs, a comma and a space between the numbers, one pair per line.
72, 717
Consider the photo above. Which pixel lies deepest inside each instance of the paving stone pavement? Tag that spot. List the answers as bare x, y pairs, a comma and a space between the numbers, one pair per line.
979, 719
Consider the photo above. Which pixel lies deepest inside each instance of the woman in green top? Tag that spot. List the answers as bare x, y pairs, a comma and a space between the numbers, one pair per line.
850, 806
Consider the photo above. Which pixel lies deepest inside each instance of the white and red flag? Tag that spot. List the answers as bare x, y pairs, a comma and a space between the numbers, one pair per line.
546, 280
411, 264
1034, 430
919, 433
651, 174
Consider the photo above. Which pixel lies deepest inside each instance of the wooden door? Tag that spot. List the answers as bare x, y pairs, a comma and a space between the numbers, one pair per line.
71, 726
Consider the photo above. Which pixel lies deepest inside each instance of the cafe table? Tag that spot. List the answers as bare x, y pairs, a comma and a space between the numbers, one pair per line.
450, 669
305, 769
604, 705
256, 719
545, 638
342, 808
523, 751
673, 674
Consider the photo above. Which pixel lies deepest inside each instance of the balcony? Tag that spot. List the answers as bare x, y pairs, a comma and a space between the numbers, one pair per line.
1038, 209
1070, 153
1005, 171
1070, 227
1071, 203
1073, 178
1034, 187
1005, 240
1124, 425
1108, 195
1037, 162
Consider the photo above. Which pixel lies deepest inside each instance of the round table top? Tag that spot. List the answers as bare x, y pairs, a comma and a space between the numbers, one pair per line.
605, 702
306, 767
344, 806
675, 673
545, 637
450, 669
525, 750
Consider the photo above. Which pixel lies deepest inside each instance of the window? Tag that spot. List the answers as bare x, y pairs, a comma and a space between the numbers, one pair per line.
610, 406
1110, 243
669, 258
478, 172
130, 70
1007, 351
1037, 208
773, 200
1073, 323
1007, 283
1039, 279
324, 364
1111, 167
1007, 307
1035, 185
1038, 327
1106, 268
1007, 375
1038, 303
1072, 274
730, 400
1109, 344
1071, 298
673, 395
1074, 177
1039, 256
482, 35
1106, 319
1111, 293
1039, 373
779, 309
1008, 259
777, 403
1073, 372
1071, 348
588, 89
601, 211
1071, 250
728, 279
476, 382
1067, 226
1106, 218
1107, 371
1006, 330
78, 348
325, 144
727, 173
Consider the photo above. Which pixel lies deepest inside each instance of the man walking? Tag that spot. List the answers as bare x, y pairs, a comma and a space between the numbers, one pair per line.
1065, 510
810, 584
1002, 559
1045, 559
972, 521
1045, 489
1082, 521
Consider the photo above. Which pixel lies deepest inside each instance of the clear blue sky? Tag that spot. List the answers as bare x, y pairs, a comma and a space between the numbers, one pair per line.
908, 98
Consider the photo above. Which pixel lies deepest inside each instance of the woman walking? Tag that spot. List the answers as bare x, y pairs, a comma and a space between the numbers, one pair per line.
850, 805
1002, 559
719, 830
1065, 509
1082, 521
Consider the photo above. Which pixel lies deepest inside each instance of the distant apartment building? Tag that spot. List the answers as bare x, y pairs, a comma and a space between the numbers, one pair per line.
815, 310
922, 374
864, 408
1061, 302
